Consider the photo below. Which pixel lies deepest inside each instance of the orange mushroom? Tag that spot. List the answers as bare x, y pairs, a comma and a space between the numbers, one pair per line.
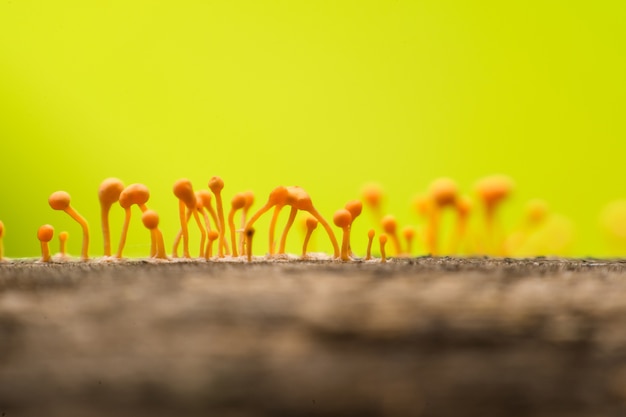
343, 219
60, 200
383, 241
390, 226
443, 192
45, 235
150, 220
370, 239
108, 193
139, 195
311, 225
187, 207
63, 244
216, 185
493, 191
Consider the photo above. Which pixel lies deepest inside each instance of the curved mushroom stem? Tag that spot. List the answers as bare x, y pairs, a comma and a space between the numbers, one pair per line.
196, 216
178, 237
329, 231
83, 224
283, 238
277, 210
248, 228
311, 225
120, 247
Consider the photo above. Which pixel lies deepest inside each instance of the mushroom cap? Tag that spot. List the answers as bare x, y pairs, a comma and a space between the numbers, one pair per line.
422, 205
134, 194
279, 195
150, 219
45, 233
59, 200
110, 190
408, 232
494, 189
183, 190
216, 184
371, 233
389, 224
372, 195
249, 195
311, 223
464, 205
203, 198
342, 218
299, 198
536, 211
355, 207
238, 201
443, 191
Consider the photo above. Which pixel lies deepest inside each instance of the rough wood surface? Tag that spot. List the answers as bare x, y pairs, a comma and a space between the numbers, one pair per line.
421, 337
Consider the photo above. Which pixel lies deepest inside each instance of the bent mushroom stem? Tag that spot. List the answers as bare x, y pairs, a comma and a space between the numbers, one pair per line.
283, 238
83, 224
326, 226
120, 247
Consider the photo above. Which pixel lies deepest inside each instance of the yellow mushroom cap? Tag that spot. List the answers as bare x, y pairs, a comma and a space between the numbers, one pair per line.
183, 190
342, 218
45, 233
212, 235
63, 236
382, 239
110, 190
443, 191
59, 200
371, 233
150, 219
389, 224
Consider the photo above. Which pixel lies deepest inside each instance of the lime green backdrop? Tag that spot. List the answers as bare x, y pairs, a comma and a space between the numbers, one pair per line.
323, 94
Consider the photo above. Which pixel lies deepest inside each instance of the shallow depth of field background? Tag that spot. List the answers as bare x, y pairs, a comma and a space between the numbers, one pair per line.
328, 95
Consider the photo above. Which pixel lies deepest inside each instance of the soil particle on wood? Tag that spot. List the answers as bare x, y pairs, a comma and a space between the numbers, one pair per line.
418, 337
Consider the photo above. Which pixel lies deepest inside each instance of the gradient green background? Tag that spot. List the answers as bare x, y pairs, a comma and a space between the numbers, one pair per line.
323, 94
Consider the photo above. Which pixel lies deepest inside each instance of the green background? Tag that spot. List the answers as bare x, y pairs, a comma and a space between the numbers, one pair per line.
327, 95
